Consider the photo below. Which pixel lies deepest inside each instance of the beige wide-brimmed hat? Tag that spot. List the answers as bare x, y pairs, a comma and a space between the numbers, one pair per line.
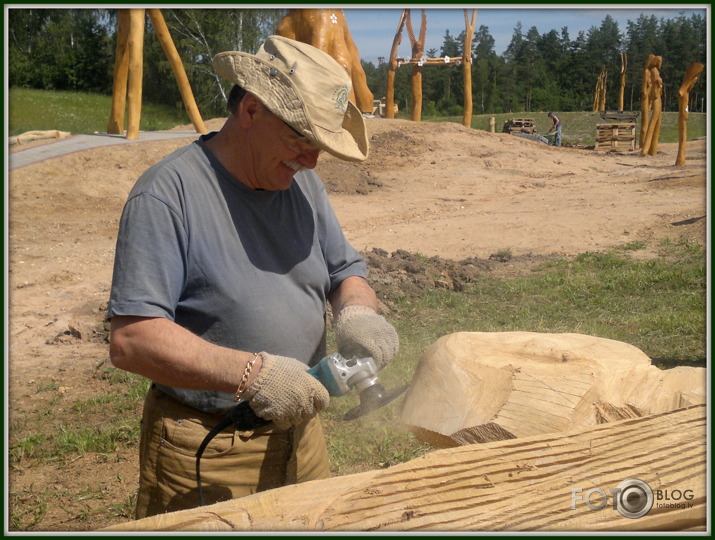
306, 88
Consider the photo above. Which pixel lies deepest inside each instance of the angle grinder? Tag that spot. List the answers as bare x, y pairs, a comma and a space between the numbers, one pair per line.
339, 376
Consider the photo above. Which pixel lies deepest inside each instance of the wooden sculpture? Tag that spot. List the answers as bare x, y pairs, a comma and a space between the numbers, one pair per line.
128, 71
650, 144
467, 67
476, 387
536, 484
418, 52
327, 30
599, 97
691, 77
392, 67
621, 93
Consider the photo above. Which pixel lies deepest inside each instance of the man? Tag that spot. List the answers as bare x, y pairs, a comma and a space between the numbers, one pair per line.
227, 255
555, 128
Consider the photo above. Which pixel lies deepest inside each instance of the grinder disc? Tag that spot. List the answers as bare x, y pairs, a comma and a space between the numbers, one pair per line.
373, 398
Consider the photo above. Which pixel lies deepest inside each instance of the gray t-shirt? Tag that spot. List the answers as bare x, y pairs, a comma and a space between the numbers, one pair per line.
241, 268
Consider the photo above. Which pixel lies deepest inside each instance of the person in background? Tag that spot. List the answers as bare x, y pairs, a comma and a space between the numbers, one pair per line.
555, 128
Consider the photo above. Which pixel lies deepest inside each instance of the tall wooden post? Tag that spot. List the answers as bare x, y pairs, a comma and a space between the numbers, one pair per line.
390, 95
136, 70
691, 77
645, 99
624, 65
418, 52
650, 145
467, 67
121, 71
162, 32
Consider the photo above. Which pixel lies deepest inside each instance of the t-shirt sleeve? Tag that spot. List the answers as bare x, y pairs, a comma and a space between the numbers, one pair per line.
150, 259
342, 259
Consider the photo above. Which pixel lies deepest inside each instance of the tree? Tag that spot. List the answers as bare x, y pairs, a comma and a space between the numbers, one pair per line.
60, 49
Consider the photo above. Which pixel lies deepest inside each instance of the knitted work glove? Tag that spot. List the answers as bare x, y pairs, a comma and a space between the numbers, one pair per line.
284, 393
361, 333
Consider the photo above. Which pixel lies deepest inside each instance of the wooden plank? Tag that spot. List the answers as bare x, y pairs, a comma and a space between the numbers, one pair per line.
528, 484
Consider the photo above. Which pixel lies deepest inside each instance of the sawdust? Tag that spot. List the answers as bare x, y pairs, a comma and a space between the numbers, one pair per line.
435, 205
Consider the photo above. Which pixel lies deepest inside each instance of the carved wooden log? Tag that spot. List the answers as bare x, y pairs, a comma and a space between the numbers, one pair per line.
691, 77
167, 44
136, 70
467, 67
38, 135
645, 98
476, 387
650, 145
121, 73
536, 483
390, 95
418, 52
327, 30
624, 65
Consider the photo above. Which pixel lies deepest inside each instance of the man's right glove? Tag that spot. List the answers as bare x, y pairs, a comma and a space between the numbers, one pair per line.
284, 392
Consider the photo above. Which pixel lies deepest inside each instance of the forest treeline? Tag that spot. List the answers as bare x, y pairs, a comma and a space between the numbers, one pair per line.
74, 49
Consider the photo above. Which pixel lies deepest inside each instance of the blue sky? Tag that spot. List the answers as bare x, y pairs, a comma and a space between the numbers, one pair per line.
373, 28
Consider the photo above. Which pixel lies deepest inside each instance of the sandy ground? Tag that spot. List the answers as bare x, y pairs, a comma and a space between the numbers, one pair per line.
430, 188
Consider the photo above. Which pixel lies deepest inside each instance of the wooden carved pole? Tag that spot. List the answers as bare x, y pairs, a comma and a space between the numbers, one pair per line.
645, 99
418, 51
121, 71
691, 77
162, 32
602, 96
390, 96
467, 67
599, 96
624, 65
650, 146
136, 68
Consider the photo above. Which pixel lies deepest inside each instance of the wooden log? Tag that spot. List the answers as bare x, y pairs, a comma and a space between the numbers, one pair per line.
621, 92
535, 484
650, 145
37, 135
390, 95
467, 67
136, 70
121, 74
691, 77
645, 99
418, 51
167, 44
476, 387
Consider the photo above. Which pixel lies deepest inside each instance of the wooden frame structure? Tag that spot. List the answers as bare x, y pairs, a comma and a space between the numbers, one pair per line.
418, 60
128, 72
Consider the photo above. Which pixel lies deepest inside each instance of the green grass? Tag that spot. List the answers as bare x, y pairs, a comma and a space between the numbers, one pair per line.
657, 305
78, 112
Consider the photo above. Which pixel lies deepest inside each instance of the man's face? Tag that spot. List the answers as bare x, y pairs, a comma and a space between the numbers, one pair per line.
279, 152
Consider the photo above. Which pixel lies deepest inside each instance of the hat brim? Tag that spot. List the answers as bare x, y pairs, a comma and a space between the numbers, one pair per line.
279, 94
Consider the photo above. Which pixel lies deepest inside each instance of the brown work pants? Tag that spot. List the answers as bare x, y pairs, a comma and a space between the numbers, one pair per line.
234, 464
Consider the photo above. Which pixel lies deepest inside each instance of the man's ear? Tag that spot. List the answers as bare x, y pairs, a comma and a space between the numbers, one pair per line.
248, 108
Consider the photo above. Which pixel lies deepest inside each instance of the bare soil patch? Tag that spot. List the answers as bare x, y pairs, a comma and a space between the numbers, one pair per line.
467, 201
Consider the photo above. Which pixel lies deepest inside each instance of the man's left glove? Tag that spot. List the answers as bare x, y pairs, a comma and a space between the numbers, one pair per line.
361, 333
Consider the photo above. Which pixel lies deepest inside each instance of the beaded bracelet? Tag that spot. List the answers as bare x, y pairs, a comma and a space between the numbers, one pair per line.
246, 373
